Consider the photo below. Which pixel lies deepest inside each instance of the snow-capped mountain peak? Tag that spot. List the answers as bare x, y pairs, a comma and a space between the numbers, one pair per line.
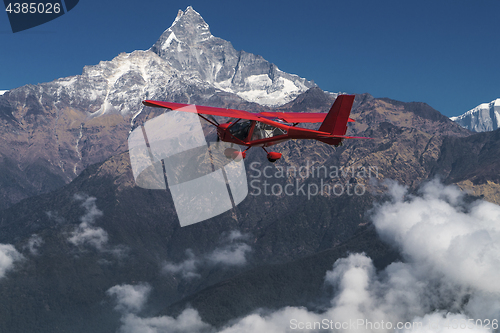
188, 28
484, 117
187, 64
189, 46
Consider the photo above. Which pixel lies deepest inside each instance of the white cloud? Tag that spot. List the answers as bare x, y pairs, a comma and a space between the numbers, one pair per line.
231, 255
189, 321
235, 235
276, 322
187, 268
118, 251
86, 234
53, 215
232, 252
462, 242
8, 256
353, 277
93, 236
129, 298
91, 210
34, 243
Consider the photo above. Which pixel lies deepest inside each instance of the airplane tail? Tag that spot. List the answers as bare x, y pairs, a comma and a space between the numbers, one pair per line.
336, 120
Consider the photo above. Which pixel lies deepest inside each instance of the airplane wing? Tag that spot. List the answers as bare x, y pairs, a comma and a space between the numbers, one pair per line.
204, 110
298, 117
289, 117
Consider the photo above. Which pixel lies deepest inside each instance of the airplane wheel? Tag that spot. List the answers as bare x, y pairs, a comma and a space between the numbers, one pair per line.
273, 157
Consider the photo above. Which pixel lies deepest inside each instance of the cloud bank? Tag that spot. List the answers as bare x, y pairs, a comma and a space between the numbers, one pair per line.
437, 230
448, 282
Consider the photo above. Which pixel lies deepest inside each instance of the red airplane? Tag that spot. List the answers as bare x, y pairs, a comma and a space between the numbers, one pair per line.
268, 128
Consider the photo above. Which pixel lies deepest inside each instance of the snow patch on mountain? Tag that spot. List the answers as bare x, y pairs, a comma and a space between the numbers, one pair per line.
484, 117
261, 90
3, 92
168, 41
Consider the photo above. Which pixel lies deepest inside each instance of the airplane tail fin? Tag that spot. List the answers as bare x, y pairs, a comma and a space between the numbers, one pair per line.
336, 120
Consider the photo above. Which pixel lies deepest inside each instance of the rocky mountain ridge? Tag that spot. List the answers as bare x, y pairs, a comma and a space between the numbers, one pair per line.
61, 127
189, 46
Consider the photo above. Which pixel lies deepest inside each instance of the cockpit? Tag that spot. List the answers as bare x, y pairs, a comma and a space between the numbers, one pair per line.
240, 129
265, 131
250, 130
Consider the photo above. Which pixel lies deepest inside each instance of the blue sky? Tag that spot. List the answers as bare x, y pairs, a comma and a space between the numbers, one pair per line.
444, 53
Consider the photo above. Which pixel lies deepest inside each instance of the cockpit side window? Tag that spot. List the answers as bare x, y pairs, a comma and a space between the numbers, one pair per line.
240, 129
264, 131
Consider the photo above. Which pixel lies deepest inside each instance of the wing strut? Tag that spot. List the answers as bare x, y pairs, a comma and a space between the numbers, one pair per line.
214, 122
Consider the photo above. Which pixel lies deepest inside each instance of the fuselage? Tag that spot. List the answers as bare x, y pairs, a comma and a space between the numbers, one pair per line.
267, 133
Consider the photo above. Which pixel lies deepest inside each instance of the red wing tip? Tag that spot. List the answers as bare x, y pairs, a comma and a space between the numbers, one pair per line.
148, 102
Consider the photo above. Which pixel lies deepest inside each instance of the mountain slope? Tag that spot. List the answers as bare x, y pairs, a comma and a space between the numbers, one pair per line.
59, 128
102, 231
472, 163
